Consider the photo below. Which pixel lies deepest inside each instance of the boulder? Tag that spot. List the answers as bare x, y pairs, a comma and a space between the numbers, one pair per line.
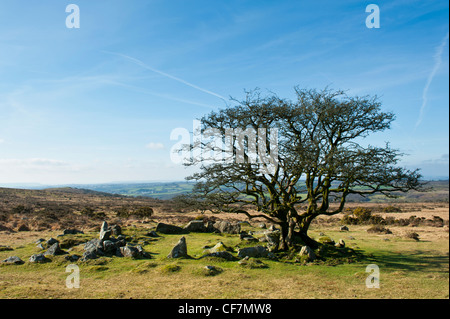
262, 225
54, 250
248, 238
212, 270
72, 258
116, 230
89, 254
257, 251
152, 234
344, 228
72, 231
307, 251
340, 244
273, 239
217, 247
109, 247
38, 258
105, 232
224, 226
129, 251
169, 229
13, 260
196, 226
180, 249
93, 249
52, 241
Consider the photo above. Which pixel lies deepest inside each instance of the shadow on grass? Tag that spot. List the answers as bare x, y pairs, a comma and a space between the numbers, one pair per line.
417, 261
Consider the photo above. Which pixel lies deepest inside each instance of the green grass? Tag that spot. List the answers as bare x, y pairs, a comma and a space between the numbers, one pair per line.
408, 269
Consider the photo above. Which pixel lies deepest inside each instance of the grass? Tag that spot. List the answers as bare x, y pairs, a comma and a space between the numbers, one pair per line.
408, 269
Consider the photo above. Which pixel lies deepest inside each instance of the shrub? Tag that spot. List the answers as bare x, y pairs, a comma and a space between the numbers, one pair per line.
143, 212
412, 235
122, 212
21, 209
392, 209
362, 214
379, 229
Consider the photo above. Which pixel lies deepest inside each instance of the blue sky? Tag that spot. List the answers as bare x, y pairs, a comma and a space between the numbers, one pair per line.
97, 104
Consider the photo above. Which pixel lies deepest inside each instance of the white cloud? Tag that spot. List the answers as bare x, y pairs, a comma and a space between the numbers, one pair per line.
437, 64
155, 146
32, 163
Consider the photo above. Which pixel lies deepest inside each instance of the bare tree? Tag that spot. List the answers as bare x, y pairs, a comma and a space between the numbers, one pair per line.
320, 159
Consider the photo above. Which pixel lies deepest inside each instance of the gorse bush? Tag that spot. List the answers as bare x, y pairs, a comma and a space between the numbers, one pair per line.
140, 212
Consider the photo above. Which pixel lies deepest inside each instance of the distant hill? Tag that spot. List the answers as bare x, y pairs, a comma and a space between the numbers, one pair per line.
166, 190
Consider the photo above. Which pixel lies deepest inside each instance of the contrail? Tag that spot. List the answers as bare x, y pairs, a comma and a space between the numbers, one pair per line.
437, 65
145, 66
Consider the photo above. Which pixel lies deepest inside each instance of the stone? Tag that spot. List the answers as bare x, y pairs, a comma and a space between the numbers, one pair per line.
212, 270
109, 247
273, 239
72, 258
72, 231
93, 247
344, 228
257, 251
54, 250
105, 232
130, 251
307, 251
196, 226
38, 258
40, 246
217, 247
152, 234
180, 249
52, 241
40, 240
169, 229
116, 230
89, 254
273, 228
340, 243
248, 238
13, 260
262, 225
226, 227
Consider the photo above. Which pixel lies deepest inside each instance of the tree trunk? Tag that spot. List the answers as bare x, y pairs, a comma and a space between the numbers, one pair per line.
303, 233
